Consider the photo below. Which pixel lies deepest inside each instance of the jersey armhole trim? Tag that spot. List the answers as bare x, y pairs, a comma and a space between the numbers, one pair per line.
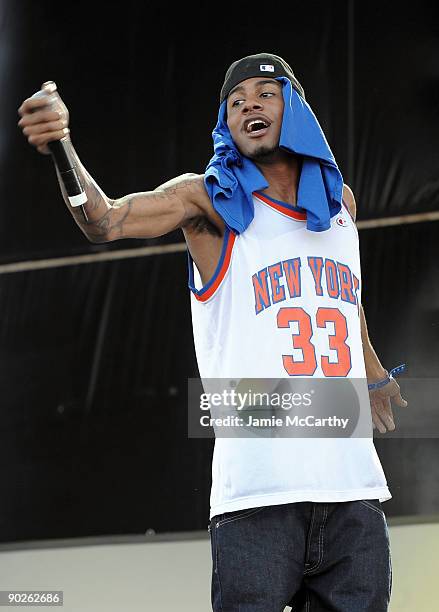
347, 208
210, 288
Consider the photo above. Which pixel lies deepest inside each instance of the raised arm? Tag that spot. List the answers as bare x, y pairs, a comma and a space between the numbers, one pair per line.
138, 215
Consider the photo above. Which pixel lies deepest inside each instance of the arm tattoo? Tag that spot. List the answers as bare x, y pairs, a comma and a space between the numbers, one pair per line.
171, 188
94, 196
100, 228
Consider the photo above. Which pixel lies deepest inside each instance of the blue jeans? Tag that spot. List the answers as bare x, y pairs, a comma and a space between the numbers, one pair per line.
313, 557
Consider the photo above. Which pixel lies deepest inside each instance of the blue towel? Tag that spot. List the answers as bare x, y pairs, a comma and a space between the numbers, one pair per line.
231, 178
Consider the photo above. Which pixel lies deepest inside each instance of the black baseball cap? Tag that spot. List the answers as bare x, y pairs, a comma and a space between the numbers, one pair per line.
260, 64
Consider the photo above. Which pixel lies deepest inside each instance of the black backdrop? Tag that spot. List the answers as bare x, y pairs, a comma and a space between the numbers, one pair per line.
95, 355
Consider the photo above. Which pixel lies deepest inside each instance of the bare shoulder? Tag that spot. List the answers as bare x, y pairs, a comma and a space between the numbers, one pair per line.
201, 216
186, 187
349, 200
182, 182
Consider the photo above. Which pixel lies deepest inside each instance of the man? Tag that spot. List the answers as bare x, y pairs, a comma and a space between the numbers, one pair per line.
275, 293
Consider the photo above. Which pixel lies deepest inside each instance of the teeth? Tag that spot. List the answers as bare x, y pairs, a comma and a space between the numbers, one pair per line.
256, 121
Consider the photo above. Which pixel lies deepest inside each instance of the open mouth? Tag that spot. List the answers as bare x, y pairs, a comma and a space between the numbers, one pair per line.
256, 127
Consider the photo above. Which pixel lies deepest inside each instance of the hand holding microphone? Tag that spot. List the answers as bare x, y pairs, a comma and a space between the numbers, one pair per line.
44, 120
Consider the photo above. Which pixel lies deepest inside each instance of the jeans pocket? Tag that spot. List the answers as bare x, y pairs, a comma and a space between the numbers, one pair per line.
373, 504
236, 515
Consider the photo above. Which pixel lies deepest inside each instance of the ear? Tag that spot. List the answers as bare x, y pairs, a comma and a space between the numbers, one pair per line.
349, 200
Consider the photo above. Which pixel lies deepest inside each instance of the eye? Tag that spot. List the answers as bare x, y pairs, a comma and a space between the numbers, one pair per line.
264, 94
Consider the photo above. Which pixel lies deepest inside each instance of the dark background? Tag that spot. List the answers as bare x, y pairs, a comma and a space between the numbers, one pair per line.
95, 357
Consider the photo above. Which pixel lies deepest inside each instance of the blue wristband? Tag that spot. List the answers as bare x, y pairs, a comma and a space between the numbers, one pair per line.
383, 382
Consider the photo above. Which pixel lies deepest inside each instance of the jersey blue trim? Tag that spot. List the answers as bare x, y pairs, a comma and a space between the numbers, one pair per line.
289, 206
315, 227
218, 268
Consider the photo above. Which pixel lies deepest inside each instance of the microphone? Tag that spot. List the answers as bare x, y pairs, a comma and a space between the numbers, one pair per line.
63, 158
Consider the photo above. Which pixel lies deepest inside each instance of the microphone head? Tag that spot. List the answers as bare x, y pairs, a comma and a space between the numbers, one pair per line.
49, 87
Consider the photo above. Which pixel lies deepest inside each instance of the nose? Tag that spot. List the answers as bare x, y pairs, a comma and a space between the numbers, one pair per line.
252, 104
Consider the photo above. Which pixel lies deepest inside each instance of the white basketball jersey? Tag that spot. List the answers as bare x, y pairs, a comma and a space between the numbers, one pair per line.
284, 301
